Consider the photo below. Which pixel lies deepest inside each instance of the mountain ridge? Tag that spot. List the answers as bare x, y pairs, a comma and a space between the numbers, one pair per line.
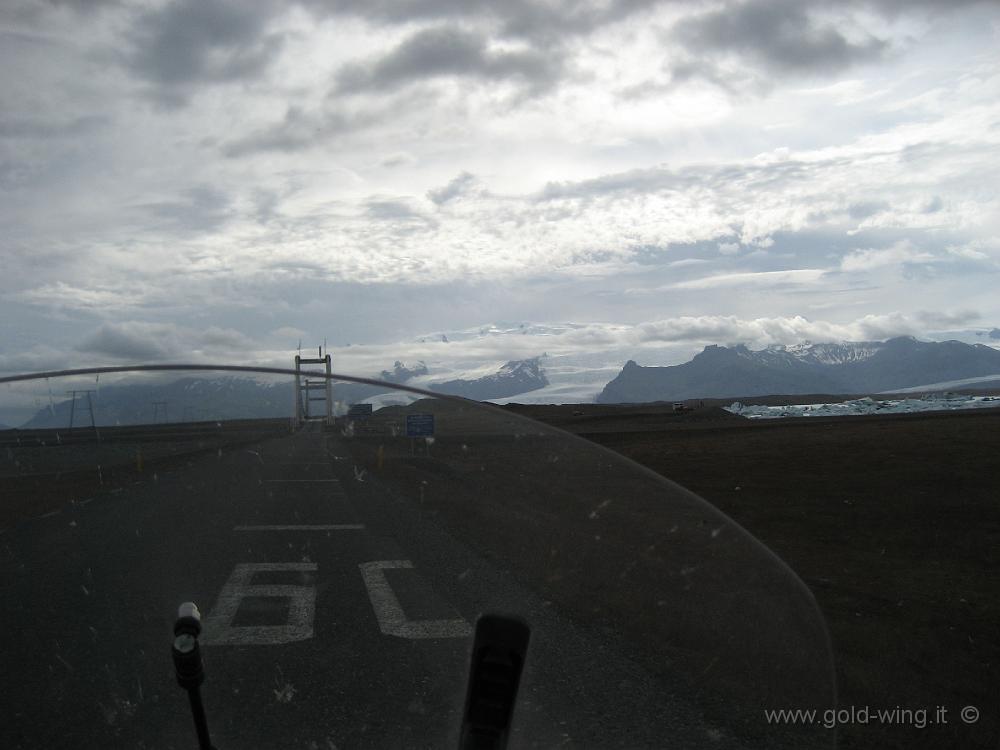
227, 397
847, 367
512, 379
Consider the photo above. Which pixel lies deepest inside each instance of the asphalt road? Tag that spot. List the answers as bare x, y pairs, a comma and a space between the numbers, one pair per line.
337, 614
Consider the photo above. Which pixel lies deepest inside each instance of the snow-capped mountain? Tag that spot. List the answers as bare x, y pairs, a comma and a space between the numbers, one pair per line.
807, 353
834, 354
549, 363
578, 359
854, 367
514, 378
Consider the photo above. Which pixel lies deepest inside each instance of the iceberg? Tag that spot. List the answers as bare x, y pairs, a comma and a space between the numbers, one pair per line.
867, 405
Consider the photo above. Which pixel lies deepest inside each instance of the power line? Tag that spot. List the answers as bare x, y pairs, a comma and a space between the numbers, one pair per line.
90, 408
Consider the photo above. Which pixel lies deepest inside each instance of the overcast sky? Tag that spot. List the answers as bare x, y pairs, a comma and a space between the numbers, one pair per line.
216, 180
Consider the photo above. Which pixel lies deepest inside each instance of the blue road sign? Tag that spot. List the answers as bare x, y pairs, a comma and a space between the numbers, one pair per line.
419, 425
359, 411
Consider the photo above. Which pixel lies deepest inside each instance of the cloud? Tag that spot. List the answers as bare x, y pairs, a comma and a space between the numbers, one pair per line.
735, 80
379, 207
387, 209
456, 188
867, 260
85, 6
649, 179
200, 209
787, 330
399, 214
138, 341
782, 36
180, 46
729, 248
301, 129
937, 319
521, 19
934, 205
38, 128
968, 253
38, 358
397, 159
797, 276
556, 20
683, 262
95, 298
866, 209
288, 332
447, 51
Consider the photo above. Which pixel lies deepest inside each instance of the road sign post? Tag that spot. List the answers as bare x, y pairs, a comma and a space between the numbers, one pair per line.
419, 425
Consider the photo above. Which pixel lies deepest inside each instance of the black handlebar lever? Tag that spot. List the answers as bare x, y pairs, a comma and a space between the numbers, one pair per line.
189, 668
498, 655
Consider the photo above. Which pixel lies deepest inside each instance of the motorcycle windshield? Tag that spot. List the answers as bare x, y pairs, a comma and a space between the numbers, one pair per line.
341, 543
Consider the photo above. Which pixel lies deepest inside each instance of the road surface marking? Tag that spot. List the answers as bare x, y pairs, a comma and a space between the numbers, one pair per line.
219, 629
391, 617
316, 527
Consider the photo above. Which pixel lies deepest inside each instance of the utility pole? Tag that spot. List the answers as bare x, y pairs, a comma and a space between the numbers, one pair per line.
90, 408
156, 411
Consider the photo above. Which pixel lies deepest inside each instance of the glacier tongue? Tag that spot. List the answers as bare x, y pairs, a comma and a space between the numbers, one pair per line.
867, 405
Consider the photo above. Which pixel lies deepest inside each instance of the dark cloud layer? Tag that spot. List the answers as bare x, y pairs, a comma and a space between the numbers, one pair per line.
130, 342
778, 37
525, 19
534, 19
181, 45
450, 51
140, 341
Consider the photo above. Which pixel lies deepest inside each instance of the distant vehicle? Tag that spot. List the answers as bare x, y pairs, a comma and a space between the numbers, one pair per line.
679, 406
